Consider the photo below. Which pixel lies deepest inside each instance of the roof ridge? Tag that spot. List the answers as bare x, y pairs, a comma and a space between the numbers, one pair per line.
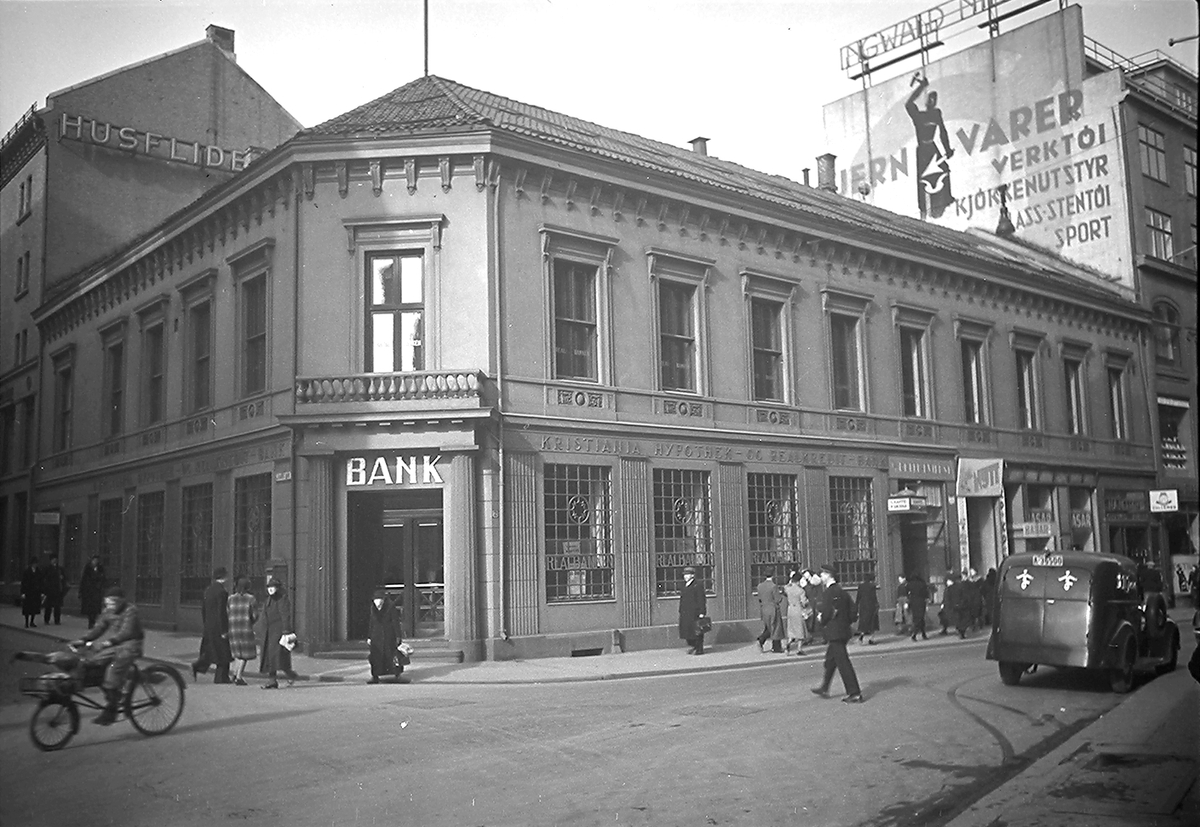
447, 88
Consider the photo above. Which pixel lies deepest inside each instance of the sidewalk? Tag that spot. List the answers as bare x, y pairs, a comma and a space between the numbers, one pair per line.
181, 648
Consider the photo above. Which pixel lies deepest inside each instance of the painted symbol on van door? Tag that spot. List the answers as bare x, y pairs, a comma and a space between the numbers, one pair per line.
1026, 578
1068, 580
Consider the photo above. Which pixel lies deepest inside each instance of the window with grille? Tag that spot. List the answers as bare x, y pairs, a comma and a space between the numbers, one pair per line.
196, 542
1153, 149
108, 537
254, 334
396, 313
1162, 242
1028, 413
682, 529
774, 522
677, 335
153, 378
766, 337
148, 580
252, 527
575, 320
578, 512
845, 339
852, 528
914, 381
1073, 376
974, 382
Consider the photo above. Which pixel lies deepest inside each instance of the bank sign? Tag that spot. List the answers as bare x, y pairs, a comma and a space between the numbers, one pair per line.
939, 142
394, 470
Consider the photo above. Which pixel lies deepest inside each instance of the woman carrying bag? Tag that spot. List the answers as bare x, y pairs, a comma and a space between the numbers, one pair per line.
276, 623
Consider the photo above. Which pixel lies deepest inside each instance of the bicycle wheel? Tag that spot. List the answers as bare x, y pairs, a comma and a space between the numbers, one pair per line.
53, 724
155, 700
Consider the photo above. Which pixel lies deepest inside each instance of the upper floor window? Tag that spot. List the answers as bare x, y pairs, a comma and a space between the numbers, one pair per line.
199, 357
973, 353
766, 338
575, 320
845, 316
1073, 376
1166, 334
395, 312
1117, 402
114, 381
154, 383
25, 206
1153, 148
1173, 417
64, 398
8, 438
680, 319
915, 392
1162, 244
1028, 402
23, 263
252, 276
1189, 170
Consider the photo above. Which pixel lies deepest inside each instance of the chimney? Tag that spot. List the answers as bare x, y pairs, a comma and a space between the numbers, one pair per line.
222, 38
827, 172
699, 146
805, 171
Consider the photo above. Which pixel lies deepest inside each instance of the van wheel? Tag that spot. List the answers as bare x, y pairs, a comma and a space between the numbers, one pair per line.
1010, 672
1172, 656
1121, 678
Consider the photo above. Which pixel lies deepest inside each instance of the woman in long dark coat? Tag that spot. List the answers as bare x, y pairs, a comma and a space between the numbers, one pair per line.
867, 607
91, 590
276, 622
384, 638
31, 593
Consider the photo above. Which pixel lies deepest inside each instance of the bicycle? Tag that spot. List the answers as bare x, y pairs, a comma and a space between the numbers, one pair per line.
152, 698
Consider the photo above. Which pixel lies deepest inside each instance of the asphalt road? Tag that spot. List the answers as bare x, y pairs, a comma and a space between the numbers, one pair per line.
744, 747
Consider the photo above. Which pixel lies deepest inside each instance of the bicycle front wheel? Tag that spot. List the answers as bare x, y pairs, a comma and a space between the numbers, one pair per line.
53, 724
155, 700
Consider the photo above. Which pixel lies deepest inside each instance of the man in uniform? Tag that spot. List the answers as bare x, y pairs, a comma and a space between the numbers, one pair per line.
837, 617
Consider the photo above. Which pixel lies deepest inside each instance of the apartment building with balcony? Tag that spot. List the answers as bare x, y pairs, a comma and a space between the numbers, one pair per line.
103, 162
520, 369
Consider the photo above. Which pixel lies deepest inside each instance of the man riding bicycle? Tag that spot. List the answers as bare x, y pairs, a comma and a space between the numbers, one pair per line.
118, 635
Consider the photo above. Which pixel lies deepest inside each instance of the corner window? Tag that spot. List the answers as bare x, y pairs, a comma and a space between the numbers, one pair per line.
1153, 153
682, 529
578, 511
395, 313
1162, 243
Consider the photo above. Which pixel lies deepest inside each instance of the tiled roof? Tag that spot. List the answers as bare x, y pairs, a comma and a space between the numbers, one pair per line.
435, 103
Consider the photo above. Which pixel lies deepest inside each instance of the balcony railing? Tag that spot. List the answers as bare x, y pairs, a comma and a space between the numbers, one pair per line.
390, 387
1138, 71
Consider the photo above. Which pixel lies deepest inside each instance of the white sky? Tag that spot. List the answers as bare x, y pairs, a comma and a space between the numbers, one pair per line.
751, 75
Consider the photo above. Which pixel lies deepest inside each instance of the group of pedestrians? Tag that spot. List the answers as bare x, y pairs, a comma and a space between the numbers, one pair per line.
43, 589
229, 635
964, 602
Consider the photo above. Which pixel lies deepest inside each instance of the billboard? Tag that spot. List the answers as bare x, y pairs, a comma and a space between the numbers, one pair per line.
1012, 117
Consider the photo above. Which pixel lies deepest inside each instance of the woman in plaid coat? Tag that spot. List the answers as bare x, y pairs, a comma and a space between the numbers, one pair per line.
243, 613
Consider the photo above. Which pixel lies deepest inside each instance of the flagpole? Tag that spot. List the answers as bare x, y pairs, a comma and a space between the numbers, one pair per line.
426, 38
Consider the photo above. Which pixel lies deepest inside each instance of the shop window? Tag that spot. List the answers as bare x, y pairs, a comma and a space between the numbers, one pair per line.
1173, 415
64, 398
1162, 242
578, 514
252, 527
148, 584
196, 542
852, 528
109, 539
395, 312
682, 529
774, 523
1166, 334
575, 318
1153, 153
1075, 396
1082, 520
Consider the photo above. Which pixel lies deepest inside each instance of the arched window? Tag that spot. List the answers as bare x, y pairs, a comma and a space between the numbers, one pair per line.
1166, 334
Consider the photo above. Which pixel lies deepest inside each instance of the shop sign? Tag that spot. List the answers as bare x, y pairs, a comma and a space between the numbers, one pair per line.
46, 517
905, 504
1081, 519
396, 470
151, 144
1126, 506
981, 478
1164, 500
1033, 528
918, 468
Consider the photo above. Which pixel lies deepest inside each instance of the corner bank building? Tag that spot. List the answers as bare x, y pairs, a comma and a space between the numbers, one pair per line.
520, 370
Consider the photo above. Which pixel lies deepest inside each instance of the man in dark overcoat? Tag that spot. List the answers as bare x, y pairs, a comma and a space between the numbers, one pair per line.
692, 606
770, 600
31, 593
91, 590
837, 618
384, 638
54, 589
214, 645
918, 598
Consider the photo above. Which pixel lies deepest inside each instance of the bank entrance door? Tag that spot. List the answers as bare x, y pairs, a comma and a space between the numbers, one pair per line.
396, 545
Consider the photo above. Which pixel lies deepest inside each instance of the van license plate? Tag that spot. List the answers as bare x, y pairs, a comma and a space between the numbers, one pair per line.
1047, 559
